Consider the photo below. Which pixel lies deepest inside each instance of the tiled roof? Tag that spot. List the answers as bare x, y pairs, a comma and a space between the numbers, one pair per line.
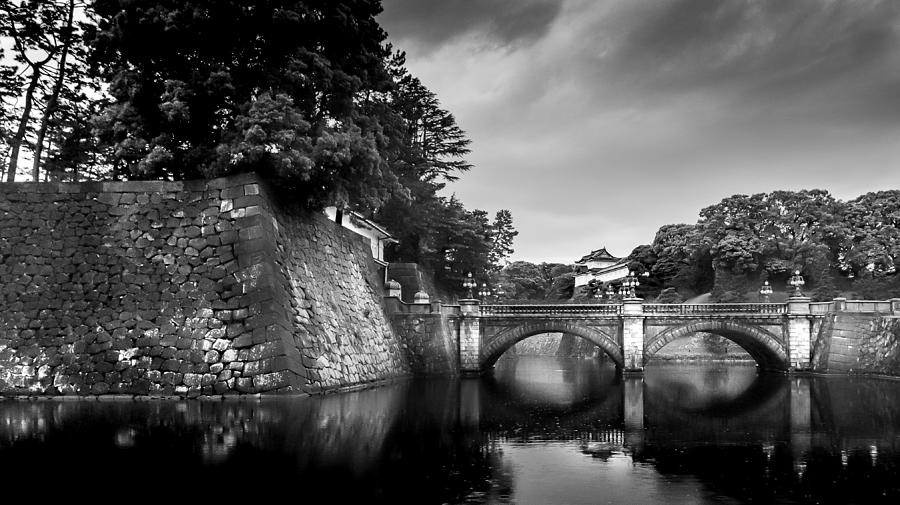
598, 255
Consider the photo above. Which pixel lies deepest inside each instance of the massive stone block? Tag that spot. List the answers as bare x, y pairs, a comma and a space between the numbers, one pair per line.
183, 288
858, 343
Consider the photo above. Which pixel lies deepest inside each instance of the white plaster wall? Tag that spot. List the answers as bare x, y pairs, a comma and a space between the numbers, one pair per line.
612, 275
376, 245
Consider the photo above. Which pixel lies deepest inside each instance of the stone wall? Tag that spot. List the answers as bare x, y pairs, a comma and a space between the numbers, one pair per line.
545, 344
327, 286
858, 343
430, 341
182, 288
557, 344
879, 351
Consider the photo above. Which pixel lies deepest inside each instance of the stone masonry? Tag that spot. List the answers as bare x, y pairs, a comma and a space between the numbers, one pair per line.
469, 338
430, 342
859, 343
182, 288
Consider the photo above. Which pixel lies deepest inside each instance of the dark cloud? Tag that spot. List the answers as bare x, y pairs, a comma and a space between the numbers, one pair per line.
429, 24
761, 50
685, 102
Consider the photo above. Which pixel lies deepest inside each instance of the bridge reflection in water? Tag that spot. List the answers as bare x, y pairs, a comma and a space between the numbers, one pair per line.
567, 431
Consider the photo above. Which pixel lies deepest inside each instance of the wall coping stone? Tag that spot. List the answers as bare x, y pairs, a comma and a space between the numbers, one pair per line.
130, 186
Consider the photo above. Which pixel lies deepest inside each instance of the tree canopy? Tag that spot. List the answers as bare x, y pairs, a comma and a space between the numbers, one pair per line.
746, 239
277, 87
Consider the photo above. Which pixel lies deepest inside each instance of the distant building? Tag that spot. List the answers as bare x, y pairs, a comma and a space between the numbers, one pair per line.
358, 224
601, 266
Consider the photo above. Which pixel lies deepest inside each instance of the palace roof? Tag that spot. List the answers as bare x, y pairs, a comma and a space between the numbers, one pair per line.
598, 255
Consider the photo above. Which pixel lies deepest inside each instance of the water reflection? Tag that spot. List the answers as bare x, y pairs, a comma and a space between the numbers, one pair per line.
552, 430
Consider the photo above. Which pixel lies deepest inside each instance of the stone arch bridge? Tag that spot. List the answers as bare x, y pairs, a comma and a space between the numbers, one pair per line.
471, 336
776, 335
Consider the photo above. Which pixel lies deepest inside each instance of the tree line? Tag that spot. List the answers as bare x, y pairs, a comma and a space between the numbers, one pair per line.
848, 248
840, 247
308, 94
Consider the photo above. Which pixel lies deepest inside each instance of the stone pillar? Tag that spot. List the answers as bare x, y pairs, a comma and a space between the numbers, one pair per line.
634, 413
633, 335
469, 337
393, 289
839, 304
799, 329
895, 306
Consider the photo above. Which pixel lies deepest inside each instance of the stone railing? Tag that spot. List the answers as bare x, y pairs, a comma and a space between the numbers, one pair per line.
817, 308
867, 306
551, 310
689, 309
649, 309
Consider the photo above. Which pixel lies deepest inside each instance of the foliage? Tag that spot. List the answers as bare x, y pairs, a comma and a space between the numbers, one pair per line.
442, 235
426, 150
876, 288
669, 295
277, 86
743, 240
524, 281
502, 238
676, 258
714, 344
743, 232
45, 83
871, 235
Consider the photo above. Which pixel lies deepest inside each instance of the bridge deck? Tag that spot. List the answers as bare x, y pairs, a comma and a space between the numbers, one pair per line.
648, 309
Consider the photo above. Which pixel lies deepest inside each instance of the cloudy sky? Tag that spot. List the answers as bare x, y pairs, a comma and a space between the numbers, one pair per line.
597, 121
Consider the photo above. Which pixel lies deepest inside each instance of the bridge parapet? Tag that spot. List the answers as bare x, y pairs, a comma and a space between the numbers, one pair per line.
695, 309
821, 308
551, 310
869, 306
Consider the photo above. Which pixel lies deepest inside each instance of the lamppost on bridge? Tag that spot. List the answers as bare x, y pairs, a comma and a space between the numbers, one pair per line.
765, 291
797, 282
469, 283
629, 284
484, 292
610, 292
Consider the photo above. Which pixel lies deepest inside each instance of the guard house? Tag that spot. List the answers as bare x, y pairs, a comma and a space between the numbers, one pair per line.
601, 266
358, 224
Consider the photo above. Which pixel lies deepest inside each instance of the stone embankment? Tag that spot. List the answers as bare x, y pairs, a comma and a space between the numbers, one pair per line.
428, 333
858, 343
183, 288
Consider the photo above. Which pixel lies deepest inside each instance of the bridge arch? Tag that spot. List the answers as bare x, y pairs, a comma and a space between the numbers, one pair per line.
765, 347
501, 342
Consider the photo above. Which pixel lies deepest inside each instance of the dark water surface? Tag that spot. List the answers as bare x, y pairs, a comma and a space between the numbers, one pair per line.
539, 431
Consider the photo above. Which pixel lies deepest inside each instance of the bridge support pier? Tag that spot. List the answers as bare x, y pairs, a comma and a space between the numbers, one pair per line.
469, 337
798, 333
633, 336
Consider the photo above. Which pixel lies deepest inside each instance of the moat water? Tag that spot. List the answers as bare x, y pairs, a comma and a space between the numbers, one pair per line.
539, 431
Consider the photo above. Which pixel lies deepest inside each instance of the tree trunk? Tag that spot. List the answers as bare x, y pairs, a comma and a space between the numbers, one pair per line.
54, 97
16, 141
